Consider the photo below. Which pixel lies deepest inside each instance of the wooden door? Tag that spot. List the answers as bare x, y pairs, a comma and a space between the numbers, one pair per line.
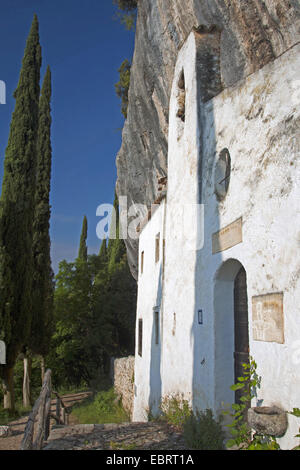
241, 333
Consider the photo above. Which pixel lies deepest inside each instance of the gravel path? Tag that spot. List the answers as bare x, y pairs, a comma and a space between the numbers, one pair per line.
125, 436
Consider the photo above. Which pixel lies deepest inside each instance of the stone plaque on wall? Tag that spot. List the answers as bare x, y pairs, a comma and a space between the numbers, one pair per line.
267, 318
228, 236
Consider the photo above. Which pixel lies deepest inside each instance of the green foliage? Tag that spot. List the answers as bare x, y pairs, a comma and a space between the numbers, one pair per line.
122, 86
127, 12
36, 383
105, 401
175, 409
202, 432
296, 412
94, 314
126, 5
73, 352
43, 284
262, 442
239, 428
82, 252
17, 206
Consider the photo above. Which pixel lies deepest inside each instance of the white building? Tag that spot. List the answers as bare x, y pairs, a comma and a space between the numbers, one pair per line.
214, 290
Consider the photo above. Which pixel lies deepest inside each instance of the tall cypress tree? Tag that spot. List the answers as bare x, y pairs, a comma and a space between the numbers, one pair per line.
17, 212
42, 321
43, 274
82, 252
103, 251
116, 247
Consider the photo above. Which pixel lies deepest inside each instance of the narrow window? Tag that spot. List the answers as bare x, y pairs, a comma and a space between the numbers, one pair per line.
222, 174
181, 97
140, 339
174, 324
156, 325
157, 238
142, 262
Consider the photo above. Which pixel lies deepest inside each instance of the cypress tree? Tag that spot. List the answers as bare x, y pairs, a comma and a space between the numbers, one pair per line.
17, 212
103, 251
116, 246
43, 283
82, 252
120, 306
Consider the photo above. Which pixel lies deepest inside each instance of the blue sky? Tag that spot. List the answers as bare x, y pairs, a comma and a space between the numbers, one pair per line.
84, 44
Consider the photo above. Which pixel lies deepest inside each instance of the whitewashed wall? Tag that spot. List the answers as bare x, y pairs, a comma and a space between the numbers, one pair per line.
147, 367
258, 121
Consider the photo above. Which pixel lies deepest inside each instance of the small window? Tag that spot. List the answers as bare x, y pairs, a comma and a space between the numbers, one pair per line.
222, 174
181, 97
174, 324
156, 326
142, 262
157, 239
140, 338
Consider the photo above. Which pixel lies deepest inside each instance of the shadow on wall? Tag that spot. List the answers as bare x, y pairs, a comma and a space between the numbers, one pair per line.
218, 354
155, 386
208, 85
220, 340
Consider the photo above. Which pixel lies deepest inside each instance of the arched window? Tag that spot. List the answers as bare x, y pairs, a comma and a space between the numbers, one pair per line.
222, 174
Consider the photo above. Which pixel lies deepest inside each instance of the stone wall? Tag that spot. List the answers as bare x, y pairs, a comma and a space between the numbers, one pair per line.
123, 378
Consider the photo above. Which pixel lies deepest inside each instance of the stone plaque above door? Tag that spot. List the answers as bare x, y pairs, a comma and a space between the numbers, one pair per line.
228, 236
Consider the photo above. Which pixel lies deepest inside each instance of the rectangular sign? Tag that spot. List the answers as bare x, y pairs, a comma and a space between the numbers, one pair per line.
228, 236
267, 318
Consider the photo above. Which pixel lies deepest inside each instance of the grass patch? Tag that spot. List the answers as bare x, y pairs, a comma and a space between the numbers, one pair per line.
103, 408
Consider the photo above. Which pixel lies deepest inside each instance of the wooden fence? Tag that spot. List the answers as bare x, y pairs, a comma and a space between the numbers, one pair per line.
41, 414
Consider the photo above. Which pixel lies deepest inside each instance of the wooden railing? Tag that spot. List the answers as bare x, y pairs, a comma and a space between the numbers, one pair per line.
40, 415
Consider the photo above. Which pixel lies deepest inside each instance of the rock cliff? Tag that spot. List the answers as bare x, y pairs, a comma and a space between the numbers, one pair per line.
253, 32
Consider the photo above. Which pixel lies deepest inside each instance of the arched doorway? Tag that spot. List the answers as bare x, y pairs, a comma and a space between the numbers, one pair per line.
241, 330
231, 330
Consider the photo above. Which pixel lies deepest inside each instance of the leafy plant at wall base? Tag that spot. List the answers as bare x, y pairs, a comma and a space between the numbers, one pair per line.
239, 428
296, 412
175, 409
202, 432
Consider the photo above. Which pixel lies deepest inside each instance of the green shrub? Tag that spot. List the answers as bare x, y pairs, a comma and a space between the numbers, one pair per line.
122, 87
105, 402
201, 431
175, 409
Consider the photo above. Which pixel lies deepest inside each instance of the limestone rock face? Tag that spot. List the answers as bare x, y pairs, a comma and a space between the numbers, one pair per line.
253, 33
